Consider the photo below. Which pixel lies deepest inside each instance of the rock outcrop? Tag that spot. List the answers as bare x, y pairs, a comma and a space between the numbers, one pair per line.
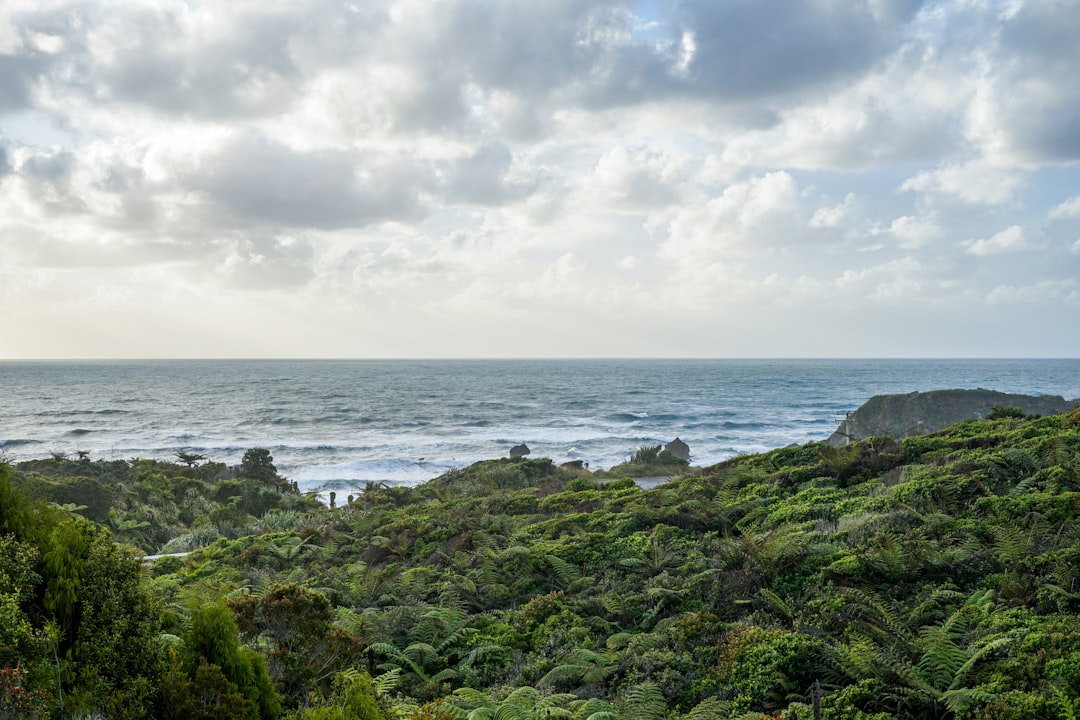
679, 449
924, 412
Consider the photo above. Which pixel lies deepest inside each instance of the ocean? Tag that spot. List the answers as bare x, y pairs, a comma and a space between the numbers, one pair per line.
337, 424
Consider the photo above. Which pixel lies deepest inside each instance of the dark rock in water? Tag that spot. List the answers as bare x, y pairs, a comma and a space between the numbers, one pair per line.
679, 449
520, 450
918, 413
573, 465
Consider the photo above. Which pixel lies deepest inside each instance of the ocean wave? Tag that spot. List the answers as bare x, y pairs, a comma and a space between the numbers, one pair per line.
751, 425
183, 437
79, 432
18, 442
73, 413
626, 417
350, 474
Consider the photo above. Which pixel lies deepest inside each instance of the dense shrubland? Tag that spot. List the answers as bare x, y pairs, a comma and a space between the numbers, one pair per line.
934, 577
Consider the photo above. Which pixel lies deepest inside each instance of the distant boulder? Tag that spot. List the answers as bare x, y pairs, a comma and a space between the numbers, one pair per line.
520, 450
679, 449
918, 413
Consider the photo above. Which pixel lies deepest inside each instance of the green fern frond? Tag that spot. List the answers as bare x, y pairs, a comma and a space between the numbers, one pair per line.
564, 571
961, 699
709, 709
644, 702
562, 675
593, 709
387, 682
444, 675
473, 698
421, 652
977, 656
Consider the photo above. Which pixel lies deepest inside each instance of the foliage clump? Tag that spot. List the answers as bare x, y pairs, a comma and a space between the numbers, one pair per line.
649, 460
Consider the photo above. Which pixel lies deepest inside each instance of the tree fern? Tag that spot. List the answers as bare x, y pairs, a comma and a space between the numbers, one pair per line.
583, 666
593, 709
643, 702
387, 682
564, 571
709, 709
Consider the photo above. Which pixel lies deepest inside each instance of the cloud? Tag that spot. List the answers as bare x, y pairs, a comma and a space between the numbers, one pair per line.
17, 74
834, 216
380, 160
915, 232
214, 61
640, 178
972, 183
256, 179
29, 45
1070, 209
1043, 291
902, 279
486, 177
35, 250
758, 214
1011, 239
45, 182
1027, 107
753, 49
268, 263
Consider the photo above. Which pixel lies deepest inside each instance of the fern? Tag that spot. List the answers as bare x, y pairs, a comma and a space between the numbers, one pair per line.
473, 698
709, 709
387, 682
564, 571
593, 709
644, 702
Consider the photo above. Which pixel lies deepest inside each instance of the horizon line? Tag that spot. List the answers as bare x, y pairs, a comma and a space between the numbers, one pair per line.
419, 358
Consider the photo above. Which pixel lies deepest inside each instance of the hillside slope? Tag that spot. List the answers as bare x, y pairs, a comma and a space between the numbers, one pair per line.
933, 577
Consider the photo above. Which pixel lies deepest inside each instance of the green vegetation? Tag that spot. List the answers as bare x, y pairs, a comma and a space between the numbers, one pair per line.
648, 461
936, 577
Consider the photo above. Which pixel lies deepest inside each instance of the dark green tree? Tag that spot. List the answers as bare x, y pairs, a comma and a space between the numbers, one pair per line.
304, 650
258, 464
212, 652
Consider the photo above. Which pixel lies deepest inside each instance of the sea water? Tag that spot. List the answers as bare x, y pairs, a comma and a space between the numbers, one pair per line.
337, 424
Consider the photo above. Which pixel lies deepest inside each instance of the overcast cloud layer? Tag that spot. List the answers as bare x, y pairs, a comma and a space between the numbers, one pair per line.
473, 178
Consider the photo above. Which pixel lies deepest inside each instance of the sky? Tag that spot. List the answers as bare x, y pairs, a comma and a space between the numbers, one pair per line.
551, 178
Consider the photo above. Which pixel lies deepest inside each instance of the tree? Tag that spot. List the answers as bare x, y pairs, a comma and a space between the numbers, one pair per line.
304, 649
258, 464
353, 697
189, 459
212, 652
15, 511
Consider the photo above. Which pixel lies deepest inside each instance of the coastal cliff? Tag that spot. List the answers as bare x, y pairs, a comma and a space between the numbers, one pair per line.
918, 413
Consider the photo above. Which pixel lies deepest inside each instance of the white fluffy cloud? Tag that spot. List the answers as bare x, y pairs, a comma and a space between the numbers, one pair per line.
1070, 209
750, 216
970, 183
1011, 239
344, 170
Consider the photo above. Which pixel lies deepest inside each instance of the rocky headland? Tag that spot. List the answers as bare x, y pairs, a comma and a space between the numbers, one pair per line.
917, 413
